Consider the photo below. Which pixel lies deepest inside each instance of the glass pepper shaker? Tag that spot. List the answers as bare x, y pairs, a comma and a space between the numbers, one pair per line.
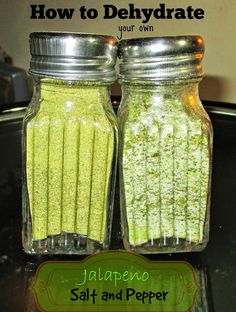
165, 151
69, 144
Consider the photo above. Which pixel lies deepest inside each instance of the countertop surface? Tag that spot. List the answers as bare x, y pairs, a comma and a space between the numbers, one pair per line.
217, 263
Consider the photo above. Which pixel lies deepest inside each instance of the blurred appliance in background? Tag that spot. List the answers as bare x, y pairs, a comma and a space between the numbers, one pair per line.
15, 94
15, 87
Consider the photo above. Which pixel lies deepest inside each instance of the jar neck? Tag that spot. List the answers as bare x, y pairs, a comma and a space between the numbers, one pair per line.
178, 93
60, 94
176, 86
49, 86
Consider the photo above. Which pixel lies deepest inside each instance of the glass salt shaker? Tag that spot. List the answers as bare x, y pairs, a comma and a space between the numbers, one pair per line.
165, 151
69, 144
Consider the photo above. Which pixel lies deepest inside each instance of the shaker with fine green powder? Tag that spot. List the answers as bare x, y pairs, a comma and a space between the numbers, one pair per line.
69, 144
165, 146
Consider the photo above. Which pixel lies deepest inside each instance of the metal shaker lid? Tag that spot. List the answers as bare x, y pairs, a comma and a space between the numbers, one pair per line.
73, 56
161, 58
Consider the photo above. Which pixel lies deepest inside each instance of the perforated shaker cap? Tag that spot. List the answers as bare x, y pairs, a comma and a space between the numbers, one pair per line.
161, 58
73, 56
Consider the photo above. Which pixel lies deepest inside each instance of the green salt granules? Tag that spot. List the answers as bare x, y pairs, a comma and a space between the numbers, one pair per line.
70, 157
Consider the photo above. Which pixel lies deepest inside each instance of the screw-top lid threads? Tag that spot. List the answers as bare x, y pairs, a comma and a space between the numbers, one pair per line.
161, 58
73, 56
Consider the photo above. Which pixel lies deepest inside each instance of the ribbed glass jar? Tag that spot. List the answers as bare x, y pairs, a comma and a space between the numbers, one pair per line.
165, 158
69, 162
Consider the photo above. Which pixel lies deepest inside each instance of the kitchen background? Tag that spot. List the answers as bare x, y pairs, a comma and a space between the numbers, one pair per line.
216, 265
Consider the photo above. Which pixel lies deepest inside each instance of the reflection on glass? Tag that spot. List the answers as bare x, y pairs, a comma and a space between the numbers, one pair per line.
201, 302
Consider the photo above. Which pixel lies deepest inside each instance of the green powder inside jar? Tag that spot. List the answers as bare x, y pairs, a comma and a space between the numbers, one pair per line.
70, 149
165, 167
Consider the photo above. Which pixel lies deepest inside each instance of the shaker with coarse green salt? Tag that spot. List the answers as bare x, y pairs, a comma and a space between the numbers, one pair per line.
165, 151
69, 144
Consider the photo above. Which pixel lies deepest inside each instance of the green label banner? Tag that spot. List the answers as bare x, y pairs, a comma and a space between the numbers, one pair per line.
115, 281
